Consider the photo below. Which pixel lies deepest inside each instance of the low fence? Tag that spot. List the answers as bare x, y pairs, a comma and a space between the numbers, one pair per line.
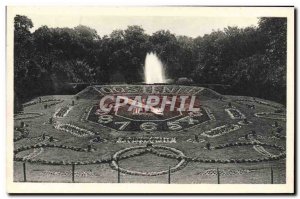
35, 172
108, 169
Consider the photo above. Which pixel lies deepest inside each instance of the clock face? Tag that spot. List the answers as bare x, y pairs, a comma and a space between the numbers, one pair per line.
173, 110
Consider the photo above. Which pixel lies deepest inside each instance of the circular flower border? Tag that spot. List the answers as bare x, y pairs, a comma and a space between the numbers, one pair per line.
179, 155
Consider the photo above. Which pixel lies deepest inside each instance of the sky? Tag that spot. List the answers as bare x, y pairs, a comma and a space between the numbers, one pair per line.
192, 26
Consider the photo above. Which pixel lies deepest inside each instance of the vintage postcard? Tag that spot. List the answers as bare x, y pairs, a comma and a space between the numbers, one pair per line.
150, 99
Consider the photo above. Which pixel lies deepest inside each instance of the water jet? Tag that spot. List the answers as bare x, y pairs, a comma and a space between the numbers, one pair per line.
154, 72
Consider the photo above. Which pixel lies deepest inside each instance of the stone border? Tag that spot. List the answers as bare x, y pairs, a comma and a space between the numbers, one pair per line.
65, 110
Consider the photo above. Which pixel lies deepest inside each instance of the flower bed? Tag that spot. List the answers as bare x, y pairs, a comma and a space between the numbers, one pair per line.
69, 173
28, 115
270, 157
98, 140
36, 152
209, 113
62, 112
235, 113
74, 130
279, 136
56, 101
260, 149
44, 145
271, 115
227, 172
86, 114
176, 154
258, 102
144, 140
221, 130
195, 141
244, 123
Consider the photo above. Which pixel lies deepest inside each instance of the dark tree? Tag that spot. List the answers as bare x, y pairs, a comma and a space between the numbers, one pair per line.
251, 60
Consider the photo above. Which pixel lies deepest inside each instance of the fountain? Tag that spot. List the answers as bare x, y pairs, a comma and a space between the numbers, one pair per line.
153, 69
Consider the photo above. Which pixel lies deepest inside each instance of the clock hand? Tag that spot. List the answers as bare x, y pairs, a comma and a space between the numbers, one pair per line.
154, 110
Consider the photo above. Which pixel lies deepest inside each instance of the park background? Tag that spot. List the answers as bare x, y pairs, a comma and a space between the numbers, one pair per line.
234, 60
279, 3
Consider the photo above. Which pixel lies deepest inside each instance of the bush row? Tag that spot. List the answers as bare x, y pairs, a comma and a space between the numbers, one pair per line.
180, 156
62, 111
275, 157
74, 130
117, 156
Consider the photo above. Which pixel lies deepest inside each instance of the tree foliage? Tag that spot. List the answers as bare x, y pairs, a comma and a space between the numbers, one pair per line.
252, 60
